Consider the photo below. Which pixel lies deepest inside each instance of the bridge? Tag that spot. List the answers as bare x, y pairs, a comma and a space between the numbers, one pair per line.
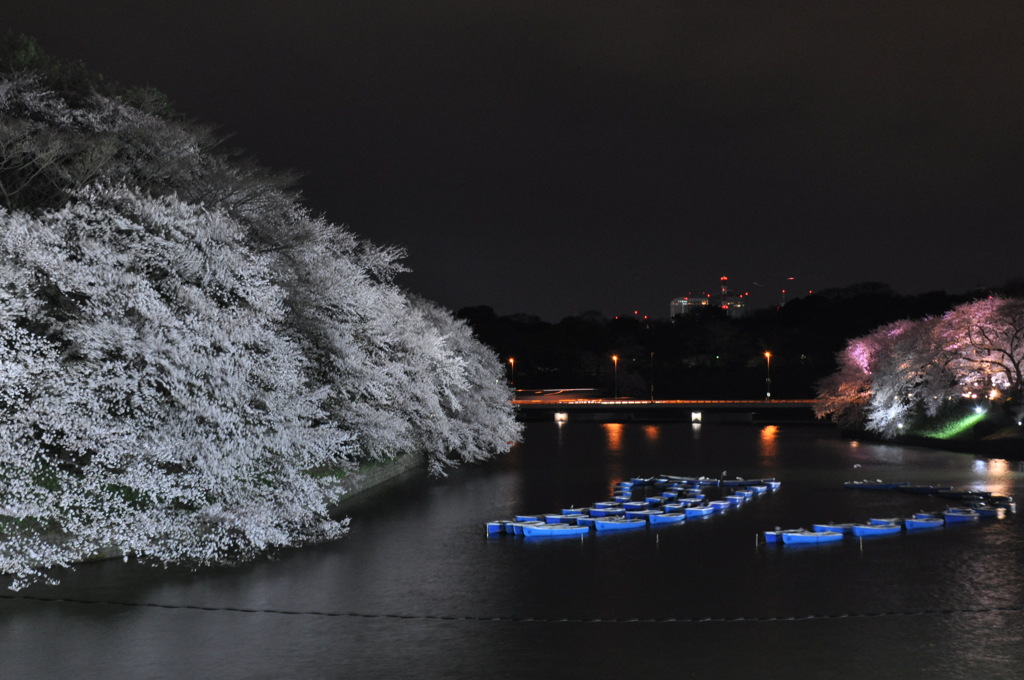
563, 408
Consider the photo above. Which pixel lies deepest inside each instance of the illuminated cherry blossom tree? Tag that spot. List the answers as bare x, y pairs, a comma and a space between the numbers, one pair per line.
185, 349
918, 369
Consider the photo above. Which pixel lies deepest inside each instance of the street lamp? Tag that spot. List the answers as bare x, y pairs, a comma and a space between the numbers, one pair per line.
615, 361
652, 377
768, 380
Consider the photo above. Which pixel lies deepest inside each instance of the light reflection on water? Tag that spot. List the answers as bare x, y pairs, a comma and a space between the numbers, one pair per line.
768, 445
424, 582
614, 434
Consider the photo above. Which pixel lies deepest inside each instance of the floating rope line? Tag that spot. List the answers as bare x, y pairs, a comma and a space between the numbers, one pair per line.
525, 619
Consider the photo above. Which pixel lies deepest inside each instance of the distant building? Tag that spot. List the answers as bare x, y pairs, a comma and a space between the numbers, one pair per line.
734, 305
687, 305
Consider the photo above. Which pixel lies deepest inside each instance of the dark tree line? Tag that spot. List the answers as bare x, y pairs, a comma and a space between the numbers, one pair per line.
703, 355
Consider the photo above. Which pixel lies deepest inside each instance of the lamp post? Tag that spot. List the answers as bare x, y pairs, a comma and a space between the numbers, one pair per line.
615, 362
652, 377
512, 364
768, 379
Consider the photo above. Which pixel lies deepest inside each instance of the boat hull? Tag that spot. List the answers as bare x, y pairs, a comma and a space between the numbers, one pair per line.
803, 536
862, 530
553, 530
917, 523
618, 524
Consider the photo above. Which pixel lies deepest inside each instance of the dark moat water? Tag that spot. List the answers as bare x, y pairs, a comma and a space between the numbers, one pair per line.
417, 590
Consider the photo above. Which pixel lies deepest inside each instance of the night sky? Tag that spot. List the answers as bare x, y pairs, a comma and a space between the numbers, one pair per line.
554, 157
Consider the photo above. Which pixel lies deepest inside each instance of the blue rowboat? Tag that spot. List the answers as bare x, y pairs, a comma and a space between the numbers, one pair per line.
636, 505
772, 484
885, 520
618, 523
497, 527
915, 523
804, 536
746, 493
655, 500
759, 488
551, 530
924, 514
844, 528
560, 519
607, 504
586, 522
699, 511
735, 498
953, 515
666, 518
607, 512
876, 529
526, 518
986, 510
642, 514
517, 527
719, 506
775, 535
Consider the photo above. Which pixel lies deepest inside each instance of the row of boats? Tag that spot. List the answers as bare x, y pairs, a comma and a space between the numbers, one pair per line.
970, 497
672, 500
977, 504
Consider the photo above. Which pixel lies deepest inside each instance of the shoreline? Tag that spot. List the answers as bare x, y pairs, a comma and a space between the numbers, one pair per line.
1009, 448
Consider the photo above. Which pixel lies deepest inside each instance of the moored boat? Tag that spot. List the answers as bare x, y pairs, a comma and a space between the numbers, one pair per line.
719, 505
914, 523
497, 526
618, 523
843, 528
517, 527
1003, 502
805, 536
924, 488
666, 518
986, 510
699, 511
775, 535
875, 529
873, 485
954, 515
550, 530
607, 512
885, 520
642, 514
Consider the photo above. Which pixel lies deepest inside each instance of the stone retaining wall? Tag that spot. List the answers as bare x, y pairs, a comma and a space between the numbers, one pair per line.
374, 475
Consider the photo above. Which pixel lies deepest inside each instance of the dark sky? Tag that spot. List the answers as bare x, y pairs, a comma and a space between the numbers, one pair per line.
557, 157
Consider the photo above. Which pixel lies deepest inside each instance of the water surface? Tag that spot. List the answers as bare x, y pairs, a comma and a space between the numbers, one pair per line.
418, 590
